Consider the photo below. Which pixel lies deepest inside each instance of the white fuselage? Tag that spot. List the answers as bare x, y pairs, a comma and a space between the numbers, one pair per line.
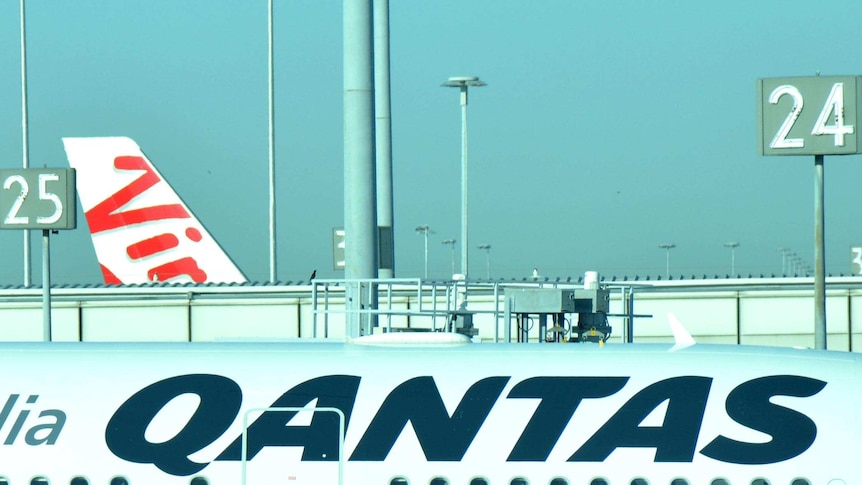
168, 413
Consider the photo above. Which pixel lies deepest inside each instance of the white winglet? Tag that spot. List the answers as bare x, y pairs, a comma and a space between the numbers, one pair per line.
681, 337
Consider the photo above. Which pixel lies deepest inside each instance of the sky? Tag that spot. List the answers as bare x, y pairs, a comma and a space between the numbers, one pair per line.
606, 129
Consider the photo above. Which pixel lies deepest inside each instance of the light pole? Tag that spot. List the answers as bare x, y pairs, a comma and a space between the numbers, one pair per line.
273, 274
462, 83
795, 264
425, 230
487, 248
667, 247
732, 245
25, 132
783, 252
451, 242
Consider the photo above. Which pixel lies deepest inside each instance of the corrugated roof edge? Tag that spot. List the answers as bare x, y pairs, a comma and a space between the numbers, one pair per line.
526, 279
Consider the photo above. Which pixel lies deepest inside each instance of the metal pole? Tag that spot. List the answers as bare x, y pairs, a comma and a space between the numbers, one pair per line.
25, 133
732, 246
667, 247
487, 248
667, 262
630, 320
451, 242
462, 83
360, 180
272, 256
383, 136
424, 230
464, 246
496, 313
46, 285
819, 257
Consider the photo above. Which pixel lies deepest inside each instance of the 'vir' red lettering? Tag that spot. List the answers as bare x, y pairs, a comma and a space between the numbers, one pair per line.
153, 245
107, 215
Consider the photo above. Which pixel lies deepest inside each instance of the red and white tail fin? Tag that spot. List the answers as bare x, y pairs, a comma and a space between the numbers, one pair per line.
141, 229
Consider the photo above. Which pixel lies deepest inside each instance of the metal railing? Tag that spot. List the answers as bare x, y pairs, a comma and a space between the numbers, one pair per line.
421, 304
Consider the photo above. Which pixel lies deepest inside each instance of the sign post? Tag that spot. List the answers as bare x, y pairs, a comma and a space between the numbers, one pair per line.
39, 198
811, 116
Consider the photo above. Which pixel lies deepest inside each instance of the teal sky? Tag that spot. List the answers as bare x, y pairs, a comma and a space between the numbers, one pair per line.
606, 129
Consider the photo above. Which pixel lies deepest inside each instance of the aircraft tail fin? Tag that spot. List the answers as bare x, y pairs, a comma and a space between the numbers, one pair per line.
141, 230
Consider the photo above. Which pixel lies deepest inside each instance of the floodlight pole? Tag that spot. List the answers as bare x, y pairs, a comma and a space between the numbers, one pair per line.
795, 264
487, 248
273, 271
732, 245
25, 133
667, 247
462, 83
783, 252
451, 242
425, 230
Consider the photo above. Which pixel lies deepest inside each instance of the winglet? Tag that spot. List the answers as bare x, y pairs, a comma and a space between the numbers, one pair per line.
681, 337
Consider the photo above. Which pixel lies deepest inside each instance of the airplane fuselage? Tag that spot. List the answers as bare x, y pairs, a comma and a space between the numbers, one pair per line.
168, 413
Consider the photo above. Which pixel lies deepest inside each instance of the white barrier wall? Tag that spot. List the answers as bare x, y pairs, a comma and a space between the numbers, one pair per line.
754, 312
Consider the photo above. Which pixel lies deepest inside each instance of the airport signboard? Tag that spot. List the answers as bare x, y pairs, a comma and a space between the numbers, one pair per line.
38, 198
338, 258
814, 115
384, 248
856, 260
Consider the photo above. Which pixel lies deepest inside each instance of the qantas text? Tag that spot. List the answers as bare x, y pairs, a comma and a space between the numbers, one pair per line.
445, 437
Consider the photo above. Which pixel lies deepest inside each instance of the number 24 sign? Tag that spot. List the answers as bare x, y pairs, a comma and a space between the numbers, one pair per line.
809, 115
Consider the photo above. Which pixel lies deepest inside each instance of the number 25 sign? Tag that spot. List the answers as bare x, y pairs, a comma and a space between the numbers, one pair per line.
809, 115
37, 198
